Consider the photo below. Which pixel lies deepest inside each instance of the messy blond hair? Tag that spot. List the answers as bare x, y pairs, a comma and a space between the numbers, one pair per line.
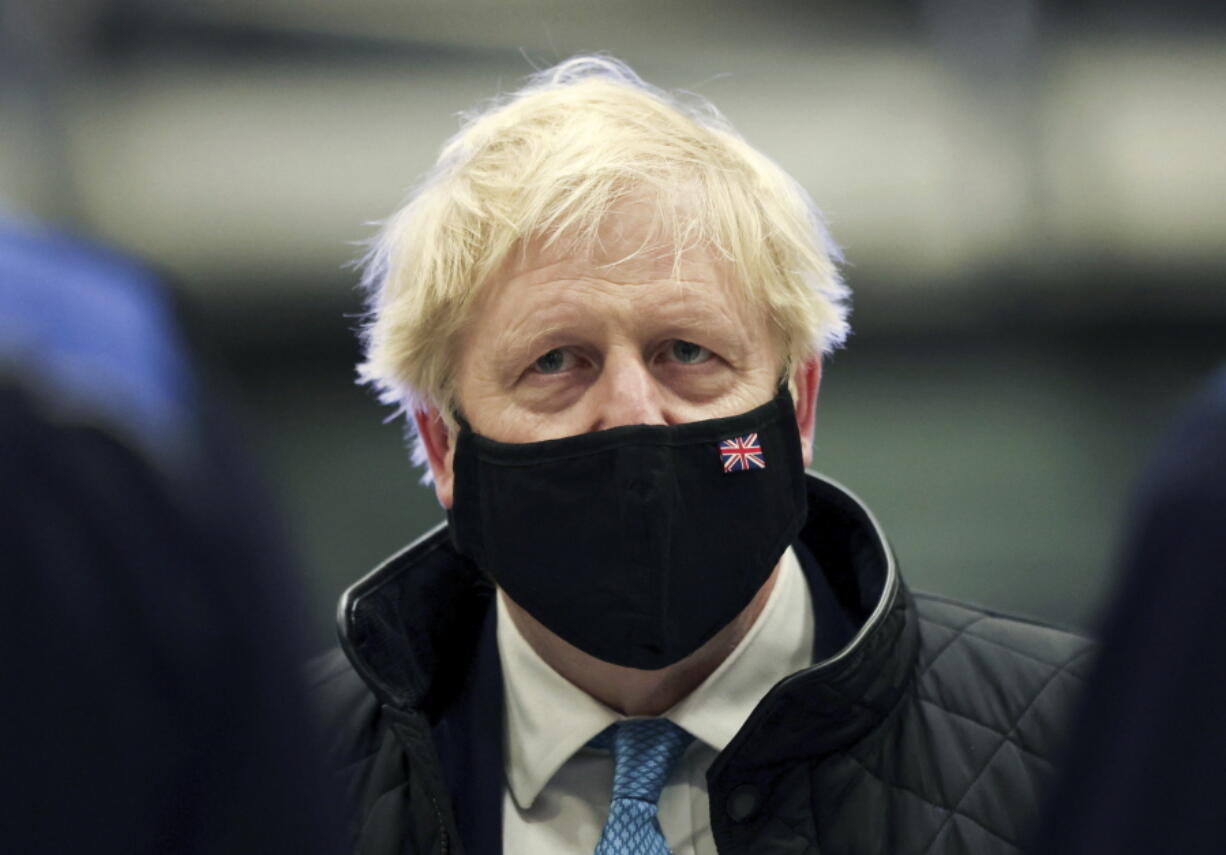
548, 163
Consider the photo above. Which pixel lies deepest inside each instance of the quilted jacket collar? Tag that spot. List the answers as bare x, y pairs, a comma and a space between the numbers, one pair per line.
410, 628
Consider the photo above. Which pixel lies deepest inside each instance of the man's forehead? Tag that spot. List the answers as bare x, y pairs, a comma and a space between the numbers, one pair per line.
629, 274
550, 288
569, 302
625, 258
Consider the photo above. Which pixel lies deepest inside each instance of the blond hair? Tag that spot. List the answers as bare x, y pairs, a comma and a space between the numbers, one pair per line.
548, 163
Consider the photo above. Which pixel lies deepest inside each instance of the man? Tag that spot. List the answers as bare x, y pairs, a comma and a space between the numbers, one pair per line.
1144, 772
153, 696
644, 627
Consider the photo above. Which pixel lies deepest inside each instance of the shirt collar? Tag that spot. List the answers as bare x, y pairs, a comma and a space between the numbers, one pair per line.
548, 719
779, 643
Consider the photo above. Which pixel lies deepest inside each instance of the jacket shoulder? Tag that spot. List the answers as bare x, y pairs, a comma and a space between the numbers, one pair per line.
348, 711
1014, 677
371, 767
945, 621
963, 761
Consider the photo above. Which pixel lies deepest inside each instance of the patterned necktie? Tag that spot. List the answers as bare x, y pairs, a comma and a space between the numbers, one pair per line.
644, 752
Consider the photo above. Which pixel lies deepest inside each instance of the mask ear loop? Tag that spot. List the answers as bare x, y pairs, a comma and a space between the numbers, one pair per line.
461, 422
785, 384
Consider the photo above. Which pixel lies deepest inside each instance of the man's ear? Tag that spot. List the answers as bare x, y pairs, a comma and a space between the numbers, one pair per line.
806, 378
440, 452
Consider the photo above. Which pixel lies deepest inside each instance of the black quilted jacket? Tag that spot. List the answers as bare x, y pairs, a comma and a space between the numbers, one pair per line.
932, 731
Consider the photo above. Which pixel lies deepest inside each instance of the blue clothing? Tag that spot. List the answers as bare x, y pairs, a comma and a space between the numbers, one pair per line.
150, 622
90, 334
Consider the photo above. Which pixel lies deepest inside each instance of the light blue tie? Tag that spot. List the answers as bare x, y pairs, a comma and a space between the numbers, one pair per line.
644, 752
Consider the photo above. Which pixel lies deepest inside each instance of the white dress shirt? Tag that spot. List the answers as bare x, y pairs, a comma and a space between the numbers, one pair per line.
557, 790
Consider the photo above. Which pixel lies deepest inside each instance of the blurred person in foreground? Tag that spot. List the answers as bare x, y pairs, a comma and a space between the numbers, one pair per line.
644, 627
1145, 768
153, 699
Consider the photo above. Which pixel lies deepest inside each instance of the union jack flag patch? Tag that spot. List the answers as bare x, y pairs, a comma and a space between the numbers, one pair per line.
742, 453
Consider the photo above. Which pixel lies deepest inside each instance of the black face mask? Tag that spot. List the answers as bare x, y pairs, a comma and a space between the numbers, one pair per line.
635, 544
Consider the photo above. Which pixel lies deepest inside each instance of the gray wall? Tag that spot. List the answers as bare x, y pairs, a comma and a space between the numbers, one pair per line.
1030, 196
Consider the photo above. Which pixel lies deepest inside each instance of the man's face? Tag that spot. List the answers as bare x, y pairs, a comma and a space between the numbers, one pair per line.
562, 346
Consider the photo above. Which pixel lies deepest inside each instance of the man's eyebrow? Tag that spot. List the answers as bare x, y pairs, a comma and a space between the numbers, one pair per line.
512, 342
706, 318
523, 337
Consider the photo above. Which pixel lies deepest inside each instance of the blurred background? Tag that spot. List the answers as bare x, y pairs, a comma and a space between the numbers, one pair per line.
1030, 196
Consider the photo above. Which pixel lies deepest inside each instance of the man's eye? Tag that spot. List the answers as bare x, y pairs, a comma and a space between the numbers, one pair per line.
554, 361
688, 353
